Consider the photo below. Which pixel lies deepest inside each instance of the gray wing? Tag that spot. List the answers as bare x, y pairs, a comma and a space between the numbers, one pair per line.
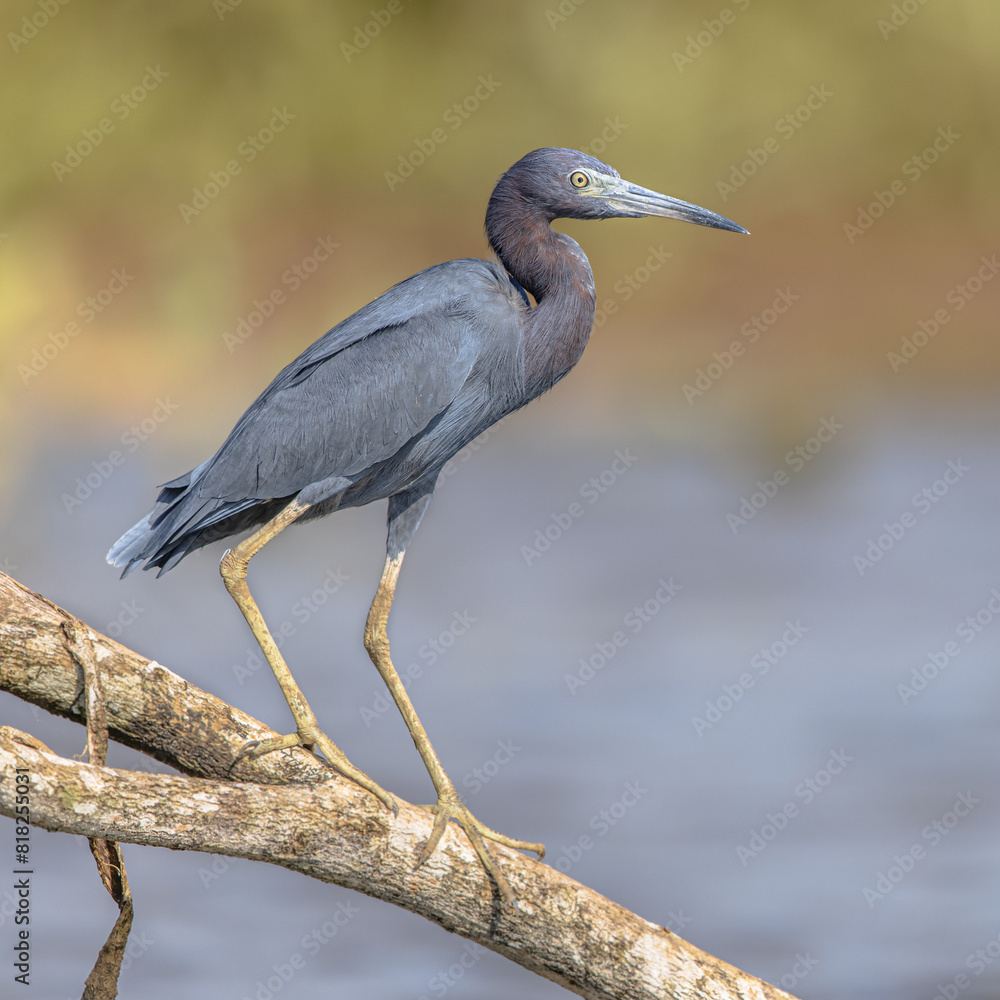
361, 392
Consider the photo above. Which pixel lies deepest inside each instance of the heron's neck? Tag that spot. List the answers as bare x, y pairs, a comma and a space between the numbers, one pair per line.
555, 270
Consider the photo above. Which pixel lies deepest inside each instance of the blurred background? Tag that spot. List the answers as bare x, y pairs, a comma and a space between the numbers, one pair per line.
779, 539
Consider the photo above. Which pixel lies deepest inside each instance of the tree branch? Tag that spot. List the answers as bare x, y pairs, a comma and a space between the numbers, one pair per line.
289, 809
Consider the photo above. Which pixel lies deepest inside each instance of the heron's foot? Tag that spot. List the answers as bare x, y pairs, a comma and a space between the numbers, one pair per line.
450, 807
314, 740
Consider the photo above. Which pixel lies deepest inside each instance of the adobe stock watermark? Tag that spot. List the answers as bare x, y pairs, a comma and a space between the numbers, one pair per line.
806, 792
977, 962
705, 378
246, 152
10, 905
45, 11
121, 108
312, 943
591, 491
899, 16
138, 945
88, 309
365, 34
914, 168
705, 37
601, 823
464, 454
634, 622
131, 440
761, 662
787, 126
968, 630
796, 459
801, 967
613, 127
429, 653
293, 278
904, 863
454, 117
562, 13
628, 284
128, 615
923, 502
957, 298
302, 612
480, 776
446, 979
224, 7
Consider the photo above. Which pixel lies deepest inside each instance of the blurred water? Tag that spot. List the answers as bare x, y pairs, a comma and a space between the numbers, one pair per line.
822, 738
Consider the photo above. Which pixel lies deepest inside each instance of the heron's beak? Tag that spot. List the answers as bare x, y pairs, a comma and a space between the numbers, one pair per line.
634, 201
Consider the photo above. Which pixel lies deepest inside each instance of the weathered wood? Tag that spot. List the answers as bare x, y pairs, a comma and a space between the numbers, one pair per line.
147, 707
289, 810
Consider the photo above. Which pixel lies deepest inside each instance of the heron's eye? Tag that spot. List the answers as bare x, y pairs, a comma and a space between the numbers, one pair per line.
579, 179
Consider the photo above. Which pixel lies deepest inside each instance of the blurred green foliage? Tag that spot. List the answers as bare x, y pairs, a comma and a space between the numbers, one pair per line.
183, 87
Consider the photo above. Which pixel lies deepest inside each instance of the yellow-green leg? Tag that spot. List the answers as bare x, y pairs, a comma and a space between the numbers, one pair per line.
308, 734
449, 805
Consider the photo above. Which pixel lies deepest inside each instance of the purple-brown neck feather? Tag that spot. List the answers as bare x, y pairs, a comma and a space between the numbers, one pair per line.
549, 265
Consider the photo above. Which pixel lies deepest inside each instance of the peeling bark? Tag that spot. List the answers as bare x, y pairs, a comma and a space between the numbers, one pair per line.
289, 809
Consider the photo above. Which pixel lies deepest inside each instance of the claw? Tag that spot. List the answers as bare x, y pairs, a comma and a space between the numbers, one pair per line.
333, 755
448, 808
431, 843
257, 748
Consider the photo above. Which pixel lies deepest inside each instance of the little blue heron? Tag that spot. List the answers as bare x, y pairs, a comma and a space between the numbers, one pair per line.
375, 408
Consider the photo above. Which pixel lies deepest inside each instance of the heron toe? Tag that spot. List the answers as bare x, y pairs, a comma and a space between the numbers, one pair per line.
253, 749
450, 807
314, 740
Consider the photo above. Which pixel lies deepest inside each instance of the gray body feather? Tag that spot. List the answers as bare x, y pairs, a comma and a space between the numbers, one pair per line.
376, 406
373, 408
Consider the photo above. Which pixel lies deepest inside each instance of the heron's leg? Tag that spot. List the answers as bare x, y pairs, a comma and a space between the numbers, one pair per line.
308, 734
404, 517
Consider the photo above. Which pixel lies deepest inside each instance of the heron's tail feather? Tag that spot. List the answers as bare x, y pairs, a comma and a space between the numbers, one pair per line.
183, 521
123, 552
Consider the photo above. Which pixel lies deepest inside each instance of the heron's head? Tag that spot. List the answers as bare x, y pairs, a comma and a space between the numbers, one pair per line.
567, 184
